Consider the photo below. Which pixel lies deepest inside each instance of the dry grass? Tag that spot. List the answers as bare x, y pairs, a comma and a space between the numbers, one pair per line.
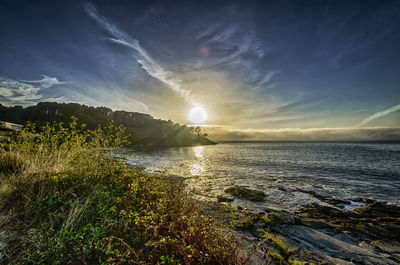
67, 201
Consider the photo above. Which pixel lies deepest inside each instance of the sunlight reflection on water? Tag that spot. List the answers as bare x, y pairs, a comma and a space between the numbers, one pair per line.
198, 151
197, 167
341, 170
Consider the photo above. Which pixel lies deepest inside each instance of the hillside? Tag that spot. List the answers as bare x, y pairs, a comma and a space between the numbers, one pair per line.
144, 130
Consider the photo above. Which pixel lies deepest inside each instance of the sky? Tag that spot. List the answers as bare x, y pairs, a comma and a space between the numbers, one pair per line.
263, 70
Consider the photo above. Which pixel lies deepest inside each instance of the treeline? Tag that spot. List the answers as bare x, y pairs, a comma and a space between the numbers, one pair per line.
144, 130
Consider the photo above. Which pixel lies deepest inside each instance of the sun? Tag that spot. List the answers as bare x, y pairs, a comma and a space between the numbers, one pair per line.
197, 115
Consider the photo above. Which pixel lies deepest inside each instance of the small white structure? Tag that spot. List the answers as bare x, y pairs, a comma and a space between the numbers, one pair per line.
12, 126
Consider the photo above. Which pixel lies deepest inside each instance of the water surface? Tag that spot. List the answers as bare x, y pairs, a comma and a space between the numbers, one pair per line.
340, 170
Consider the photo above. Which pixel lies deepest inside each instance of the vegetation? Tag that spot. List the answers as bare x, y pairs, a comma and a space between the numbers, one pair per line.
4, 132
283, 255
67, 200
271, 219
4, 129
144, 130
284, 251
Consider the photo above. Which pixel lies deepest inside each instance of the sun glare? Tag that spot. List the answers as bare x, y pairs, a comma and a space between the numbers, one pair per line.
197, 115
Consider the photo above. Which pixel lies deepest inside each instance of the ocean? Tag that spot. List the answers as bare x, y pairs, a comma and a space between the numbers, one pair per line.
283, 170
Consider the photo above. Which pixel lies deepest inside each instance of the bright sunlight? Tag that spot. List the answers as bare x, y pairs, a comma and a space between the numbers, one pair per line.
197, 115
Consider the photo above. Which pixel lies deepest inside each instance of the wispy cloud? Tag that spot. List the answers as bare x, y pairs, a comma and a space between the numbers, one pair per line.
230, 45
379, 115
142, 56
45, 82
25, 92
15, 92
268, 77
232, 39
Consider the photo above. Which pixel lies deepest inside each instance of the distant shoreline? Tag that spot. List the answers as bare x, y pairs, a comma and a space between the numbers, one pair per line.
339, 142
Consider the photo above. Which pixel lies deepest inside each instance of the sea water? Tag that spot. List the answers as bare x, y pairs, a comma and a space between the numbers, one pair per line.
282, 170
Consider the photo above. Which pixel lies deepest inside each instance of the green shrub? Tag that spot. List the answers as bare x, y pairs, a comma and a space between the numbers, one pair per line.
271, 219
282, 257
283, 249
277, 258
70, 201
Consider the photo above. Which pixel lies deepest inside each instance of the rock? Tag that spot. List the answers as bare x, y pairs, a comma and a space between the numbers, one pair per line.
282, 188
282, 217
272, 209
385, 246
316, 224
332, 249
364, 200
379, 209
243, 192
286, 217
336, 202
316, 210
375, 221
3, 245
224, 199
247, 222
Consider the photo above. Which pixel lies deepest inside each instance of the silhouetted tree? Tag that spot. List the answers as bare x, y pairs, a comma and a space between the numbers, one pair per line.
143, 128
198, 132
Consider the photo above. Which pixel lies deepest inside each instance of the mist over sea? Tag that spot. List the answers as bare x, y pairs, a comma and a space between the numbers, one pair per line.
283, 170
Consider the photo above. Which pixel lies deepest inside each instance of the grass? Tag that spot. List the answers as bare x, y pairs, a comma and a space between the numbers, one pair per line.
271, 219
283, 249
67, 200
283, 255
5, 133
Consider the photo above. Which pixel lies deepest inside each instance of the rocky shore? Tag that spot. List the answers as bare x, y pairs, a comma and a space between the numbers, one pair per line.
333, 231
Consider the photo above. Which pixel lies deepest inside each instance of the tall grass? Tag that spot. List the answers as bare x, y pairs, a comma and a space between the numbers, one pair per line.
69, 201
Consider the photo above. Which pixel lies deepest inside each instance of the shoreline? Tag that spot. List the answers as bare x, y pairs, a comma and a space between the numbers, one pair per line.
333, 231
65, 198
277, 170
330, 232
325, 234
312, 234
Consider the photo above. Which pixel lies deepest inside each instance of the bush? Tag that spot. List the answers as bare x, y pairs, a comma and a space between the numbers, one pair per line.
70, 201
283, 255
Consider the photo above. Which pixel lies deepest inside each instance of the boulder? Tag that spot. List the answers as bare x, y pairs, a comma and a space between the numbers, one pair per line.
224, 199
336, 202
286, 217
334, 250
374, 221
246, 193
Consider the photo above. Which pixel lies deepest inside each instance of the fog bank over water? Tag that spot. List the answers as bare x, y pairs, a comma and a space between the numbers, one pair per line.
312, 134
